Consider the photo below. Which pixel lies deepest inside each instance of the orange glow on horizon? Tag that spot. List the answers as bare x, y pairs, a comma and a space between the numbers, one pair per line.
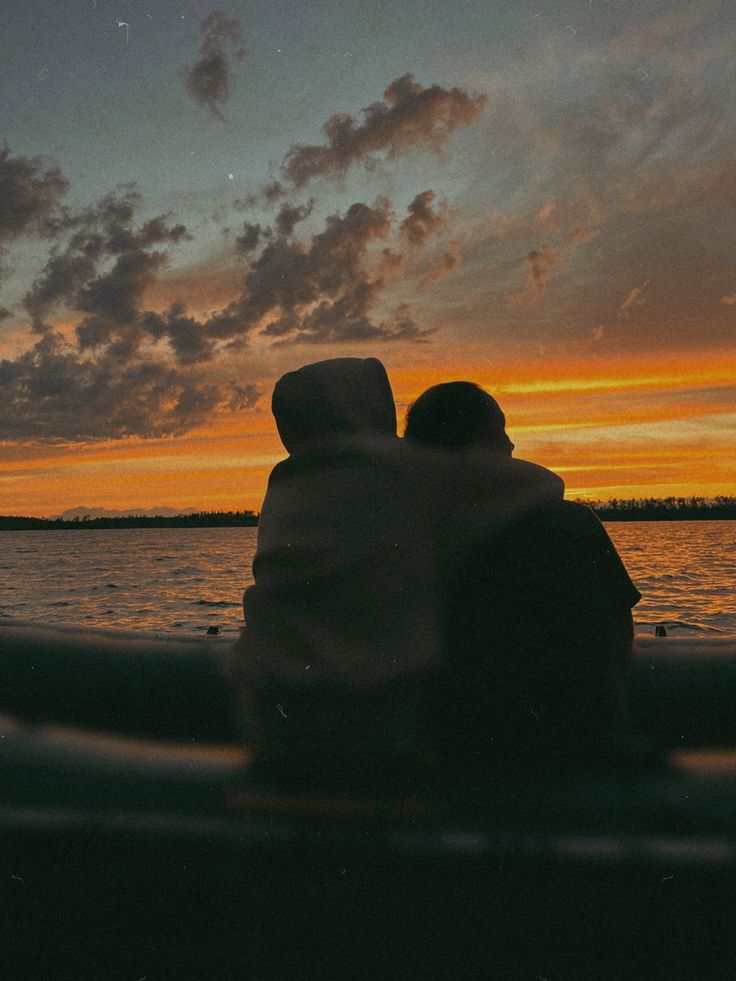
657, 427
565, 377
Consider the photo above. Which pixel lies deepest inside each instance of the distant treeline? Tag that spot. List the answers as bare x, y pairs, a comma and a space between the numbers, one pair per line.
202, 519
633, 509
665, 509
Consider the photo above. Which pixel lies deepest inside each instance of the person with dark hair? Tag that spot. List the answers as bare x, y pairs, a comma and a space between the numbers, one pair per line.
539, 625
344, 631
456, 415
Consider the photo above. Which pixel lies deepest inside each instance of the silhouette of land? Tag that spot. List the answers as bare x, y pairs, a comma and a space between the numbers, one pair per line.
632, 509
665, 509
201, 519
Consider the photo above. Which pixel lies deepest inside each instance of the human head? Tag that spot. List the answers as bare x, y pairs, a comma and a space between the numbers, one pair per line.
457, 415
339, 397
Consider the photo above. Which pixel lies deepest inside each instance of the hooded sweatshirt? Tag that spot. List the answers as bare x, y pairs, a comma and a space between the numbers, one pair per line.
359, 536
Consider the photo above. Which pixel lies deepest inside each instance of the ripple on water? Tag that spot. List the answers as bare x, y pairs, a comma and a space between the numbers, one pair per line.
221, 603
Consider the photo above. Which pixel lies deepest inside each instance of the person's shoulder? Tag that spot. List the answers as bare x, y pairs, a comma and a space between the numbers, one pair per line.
586, 538
572, 514
513, 472
341, 450
280, 471
566, 526
579, 513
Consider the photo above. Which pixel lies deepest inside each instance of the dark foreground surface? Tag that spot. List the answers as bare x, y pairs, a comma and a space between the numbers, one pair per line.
119, 863
159, 858
138, 908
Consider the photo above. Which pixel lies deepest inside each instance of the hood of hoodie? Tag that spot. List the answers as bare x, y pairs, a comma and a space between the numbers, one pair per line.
339, 397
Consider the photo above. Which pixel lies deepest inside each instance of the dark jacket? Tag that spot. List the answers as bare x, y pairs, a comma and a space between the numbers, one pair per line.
540, 633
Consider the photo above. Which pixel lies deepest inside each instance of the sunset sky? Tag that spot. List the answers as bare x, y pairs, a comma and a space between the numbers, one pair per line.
196, 198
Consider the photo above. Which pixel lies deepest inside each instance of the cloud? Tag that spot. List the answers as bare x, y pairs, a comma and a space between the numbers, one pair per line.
422, 221
545, 212
409, 116
30, 192
209, 81
615, 145
132, 358
579, 236
50, 393
348, 319
99, 234
185, 335
267, 195
644, 164
634, 298
124, 370
273, 191
324, 292
290, 275
661, 32
63, 276
290, 215
447, 264
539, 265
111, 301
251, 237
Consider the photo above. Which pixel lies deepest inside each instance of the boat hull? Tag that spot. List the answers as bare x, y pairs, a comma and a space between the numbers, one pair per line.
168, 686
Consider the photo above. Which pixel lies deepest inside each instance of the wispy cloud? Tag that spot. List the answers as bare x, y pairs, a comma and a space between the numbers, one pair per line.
661, 31
634, 298
451, 259
423, 220
539, 265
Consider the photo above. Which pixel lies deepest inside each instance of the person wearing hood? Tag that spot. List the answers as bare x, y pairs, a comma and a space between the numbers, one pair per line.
359, 536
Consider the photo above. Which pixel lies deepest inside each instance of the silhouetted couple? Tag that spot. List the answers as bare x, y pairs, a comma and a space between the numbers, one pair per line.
423, 606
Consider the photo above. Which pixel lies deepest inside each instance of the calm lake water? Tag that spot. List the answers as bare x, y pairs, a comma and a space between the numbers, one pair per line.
174, 579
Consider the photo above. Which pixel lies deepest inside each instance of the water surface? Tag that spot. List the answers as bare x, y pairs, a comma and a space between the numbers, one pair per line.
189, 579
685, 571
171, 579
